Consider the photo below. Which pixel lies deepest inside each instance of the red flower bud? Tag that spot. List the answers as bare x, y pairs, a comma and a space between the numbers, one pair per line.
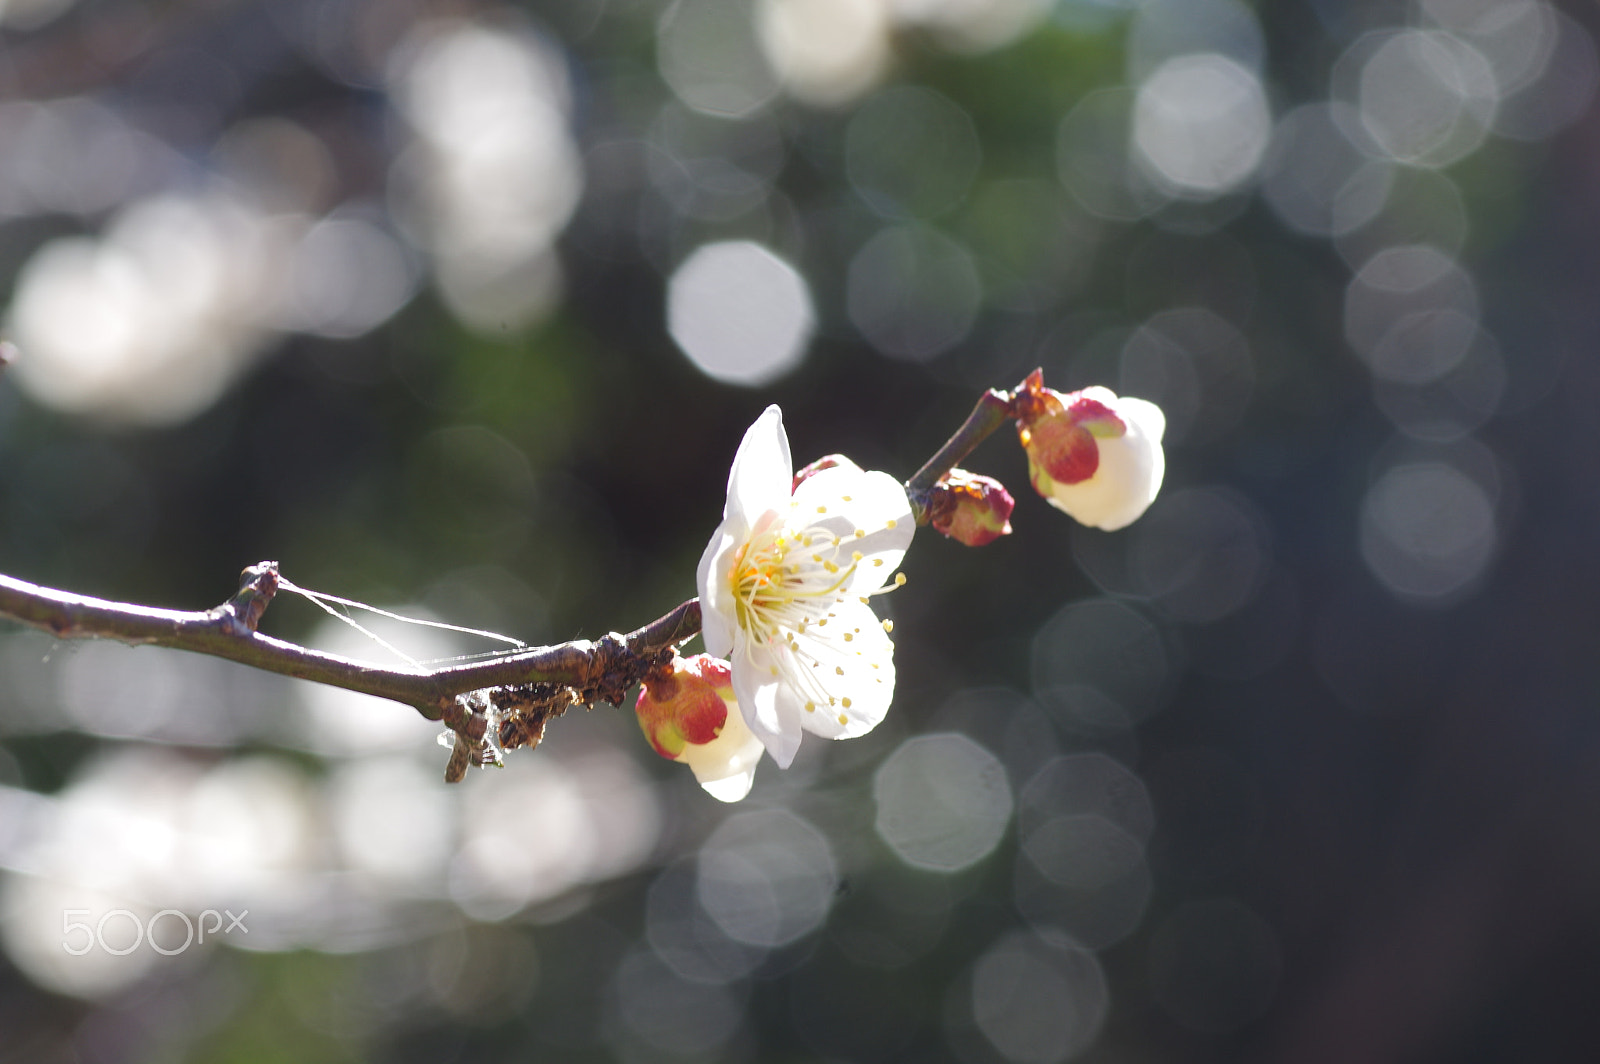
690, 715
970, 508
1091, 454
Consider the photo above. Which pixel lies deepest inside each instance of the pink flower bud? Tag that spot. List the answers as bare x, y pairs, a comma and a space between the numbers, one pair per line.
691, 716
827, 461
1091, 454
970, 508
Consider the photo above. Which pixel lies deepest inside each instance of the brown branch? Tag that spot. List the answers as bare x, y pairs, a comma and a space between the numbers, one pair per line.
493, 704
580, 671
994, 409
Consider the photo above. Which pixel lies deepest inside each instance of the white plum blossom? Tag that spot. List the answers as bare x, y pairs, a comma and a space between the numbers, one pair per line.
1092, 454
785, 585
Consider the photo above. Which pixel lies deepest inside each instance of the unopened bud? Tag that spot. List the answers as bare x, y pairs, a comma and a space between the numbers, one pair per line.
690, 715
1091, 454
970, 508
827, 461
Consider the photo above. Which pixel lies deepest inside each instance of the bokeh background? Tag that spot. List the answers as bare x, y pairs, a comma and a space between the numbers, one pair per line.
461, 308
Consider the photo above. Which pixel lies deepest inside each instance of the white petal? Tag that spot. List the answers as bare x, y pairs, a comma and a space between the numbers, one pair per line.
763, 473
771, 718
726, 766
1147, 416
731, 788
843, 501
717, 616
860, 669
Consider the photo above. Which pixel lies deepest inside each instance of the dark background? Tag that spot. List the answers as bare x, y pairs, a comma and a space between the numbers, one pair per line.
1328, 712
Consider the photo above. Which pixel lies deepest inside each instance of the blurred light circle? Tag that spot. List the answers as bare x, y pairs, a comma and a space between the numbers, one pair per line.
31, 14
685, 937
1080, 872
1083, 850
1518, 37
1094, 160
1087, 785
710, 168
1427, 530
507, 859
972, 26
1163, 29
1200, 554
122, 691
395, 822
708, 54
1106, 645
741, 314
1316, 179
347, 277
1453, 404
943, 802
1193, 364
1411, 313
827, 52
1560, 93
1201, 125
1214, 965
687, 1019
767, 877
913, 292
1423, 207
911, 152
150, 324
493, 295
1038, 1003
1427, 98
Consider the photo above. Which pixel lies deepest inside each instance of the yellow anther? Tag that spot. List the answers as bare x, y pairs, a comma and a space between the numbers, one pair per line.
861, 533
832, 567
877, 562
838, 670
774, 670
843, 719
811, 707
848, 636
865, 601
899, 579
822, 509
888, 626
892, 522
855, 555
846, 498
845, 702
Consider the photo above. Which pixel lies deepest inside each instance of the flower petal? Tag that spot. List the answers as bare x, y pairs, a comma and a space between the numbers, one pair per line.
716, 594
859, 670
844, 501
762, 477
772, 717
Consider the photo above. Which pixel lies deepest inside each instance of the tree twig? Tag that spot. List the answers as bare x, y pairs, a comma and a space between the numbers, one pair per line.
994, 409
497, 703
